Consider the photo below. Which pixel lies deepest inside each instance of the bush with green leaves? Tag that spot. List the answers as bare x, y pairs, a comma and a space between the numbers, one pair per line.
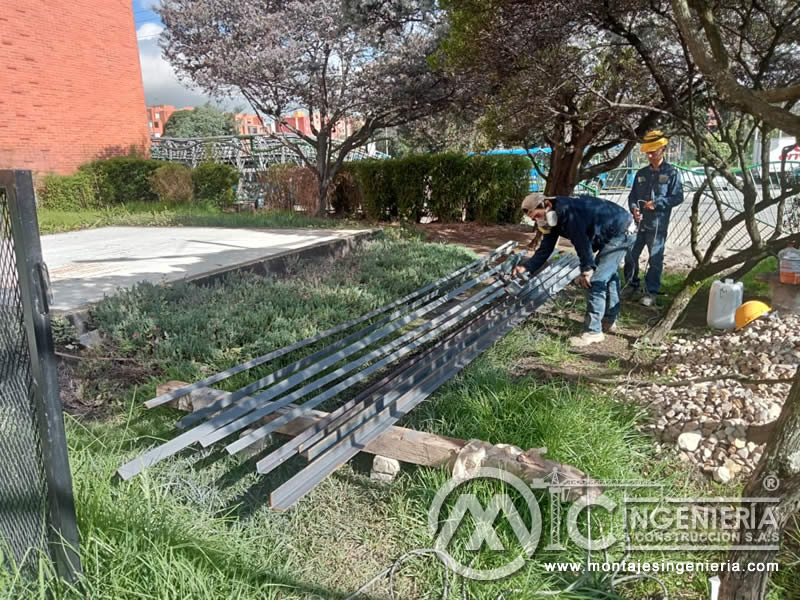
124, 178
486, 188
79, 191
172, 182
214, 183
346, 197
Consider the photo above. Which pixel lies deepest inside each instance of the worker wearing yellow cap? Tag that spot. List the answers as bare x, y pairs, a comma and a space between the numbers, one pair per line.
656, 190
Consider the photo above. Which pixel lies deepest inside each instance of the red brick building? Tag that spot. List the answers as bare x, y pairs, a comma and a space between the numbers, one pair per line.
158, 115
250, 124
71, 83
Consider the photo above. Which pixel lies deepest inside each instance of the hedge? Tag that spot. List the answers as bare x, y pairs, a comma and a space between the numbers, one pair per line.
124, 178
450, 187
70, 192
119, 180
213, 183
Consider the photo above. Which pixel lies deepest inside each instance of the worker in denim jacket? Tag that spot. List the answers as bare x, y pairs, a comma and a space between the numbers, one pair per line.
602, 234
656, 190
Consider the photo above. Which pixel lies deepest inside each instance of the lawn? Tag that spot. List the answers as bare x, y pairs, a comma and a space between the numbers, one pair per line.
154, 214
197, 526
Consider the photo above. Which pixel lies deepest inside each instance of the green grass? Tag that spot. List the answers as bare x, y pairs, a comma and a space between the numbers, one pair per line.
753, 288
197, 525
150, 214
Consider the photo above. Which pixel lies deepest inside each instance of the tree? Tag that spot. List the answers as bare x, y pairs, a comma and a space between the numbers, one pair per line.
338, 59
203, 121
543, 76
705, 31
780, 463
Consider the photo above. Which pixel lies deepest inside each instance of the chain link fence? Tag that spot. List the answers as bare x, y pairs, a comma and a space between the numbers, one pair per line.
37, 513
23, 487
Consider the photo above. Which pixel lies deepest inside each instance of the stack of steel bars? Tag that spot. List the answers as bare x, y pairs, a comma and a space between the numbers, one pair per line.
425, 339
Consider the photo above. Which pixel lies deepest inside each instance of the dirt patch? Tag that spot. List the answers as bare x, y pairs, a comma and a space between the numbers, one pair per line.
480, 238
90, 386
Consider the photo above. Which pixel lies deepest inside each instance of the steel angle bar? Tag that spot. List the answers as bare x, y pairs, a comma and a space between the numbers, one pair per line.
540, 295
248, 411
441, 323
236, 411
267, 380
311, 434
222, 375
316, 432
288, 493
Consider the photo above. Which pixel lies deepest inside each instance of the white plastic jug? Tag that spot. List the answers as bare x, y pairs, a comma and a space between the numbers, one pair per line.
724, 299
789, 265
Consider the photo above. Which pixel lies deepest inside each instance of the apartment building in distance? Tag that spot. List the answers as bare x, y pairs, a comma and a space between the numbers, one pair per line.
250, 124
72, 84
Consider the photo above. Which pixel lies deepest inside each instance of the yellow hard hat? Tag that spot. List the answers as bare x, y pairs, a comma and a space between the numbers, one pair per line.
654, 140
750, 311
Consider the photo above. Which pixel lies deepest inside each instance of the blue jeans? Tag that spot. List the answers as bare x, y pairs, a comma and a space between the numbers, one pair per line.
655, 240
602, 297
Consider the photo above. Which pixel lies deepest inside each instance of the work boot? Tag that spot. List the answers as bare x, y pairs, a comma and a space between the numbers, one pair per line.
647, 300
586, 338
609, 327
629, 292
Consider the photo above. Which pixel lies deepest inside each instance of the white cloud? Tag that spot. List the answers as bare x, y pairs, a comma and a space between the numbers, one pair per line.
161, 84
148, 31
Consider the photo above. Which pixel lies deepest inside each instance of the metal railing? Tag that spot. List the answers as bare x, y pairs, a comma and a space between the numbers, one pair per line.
248, 153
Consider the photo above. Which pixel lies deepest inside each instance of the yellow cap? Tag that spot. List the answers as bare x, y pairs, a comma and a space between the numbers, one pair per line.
654, 140
750, 311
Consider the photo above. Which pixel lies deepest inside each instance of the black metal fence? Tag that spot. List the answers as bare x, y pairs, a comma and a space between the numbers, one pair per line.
37, 512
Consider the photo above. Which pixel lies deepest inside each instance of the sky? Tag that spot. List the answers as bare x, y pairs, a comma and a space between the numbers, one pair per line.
161, 86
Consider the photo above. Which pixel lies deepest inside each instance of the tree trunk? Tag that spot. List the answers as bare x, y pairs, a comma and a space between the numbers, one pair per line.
781, 464
563, 173
659, 331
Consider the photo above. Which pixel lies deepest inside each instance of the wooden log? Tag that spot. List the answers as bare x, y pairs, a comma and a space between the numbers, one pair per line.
407, 445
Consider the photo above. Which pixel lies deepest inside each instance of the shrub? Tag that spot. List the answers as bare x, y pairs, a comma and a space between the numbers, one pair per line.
487, 188
287, 186
451, 186
214, 183
501, 182
172, 183
70, 192
124, 178
409, 177
376, 182
346, 197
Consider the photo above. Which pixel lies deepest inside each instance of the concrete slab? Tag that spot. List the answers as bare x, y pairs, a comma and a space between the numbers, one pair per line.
87, 265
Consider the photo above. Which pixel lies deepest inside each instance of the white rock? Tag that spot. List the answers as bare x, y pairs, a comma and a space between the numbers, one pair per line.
689, 440
722, 475
387, 466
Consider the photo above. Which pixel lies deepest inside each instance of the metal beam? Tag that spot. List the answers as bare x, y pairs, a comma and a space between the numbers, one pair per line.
188, 438
288, 493
222, 375
441, 323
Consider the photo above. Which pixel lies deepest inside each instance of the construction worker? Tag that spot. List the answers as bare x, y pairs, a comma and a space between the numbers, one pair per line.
656, 190
592, 225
